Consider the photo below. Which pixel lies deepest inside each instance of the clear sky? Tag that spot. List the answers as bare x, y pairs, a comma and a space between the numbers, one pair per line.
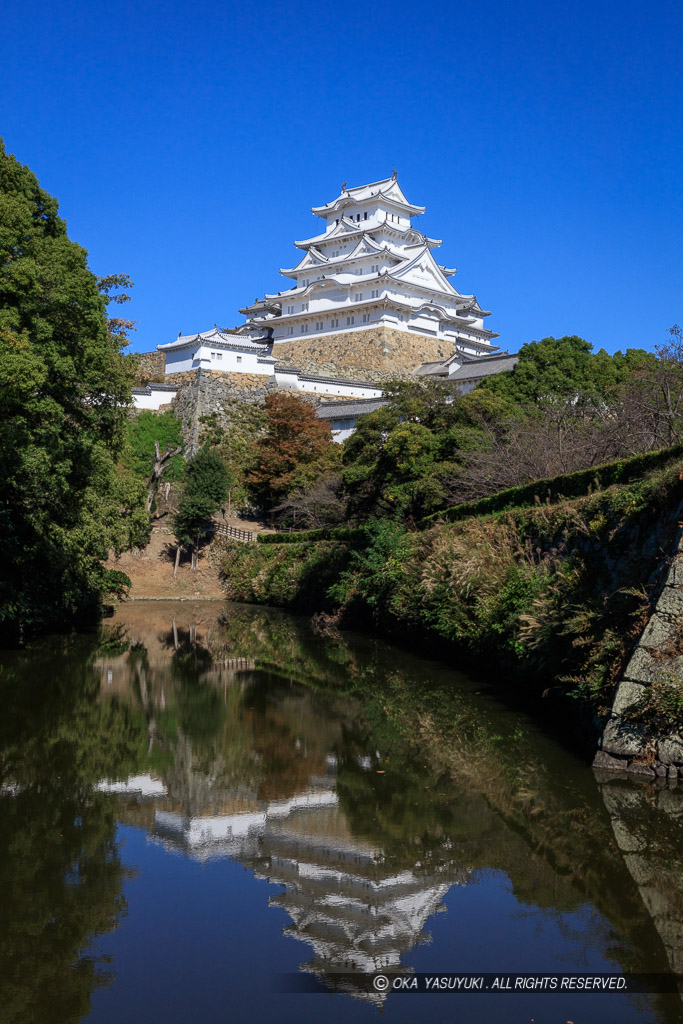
187, 142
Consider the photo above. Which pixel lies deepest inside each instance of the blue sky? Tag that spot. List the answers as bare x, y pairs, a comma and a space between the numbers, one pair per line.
187, 142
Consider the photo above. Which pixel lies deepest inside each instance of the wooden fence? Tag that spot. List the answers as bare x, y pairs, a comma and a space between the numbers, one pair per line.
235, 533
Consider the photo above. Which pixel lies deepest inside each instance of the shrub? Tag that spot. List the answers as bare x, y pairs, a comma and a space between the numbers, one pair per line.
570, 485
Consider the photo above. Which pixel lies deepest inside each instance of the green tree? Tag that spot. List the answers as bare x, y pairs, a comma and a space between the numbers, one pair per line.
141, 433
205, 491
63, 393
558, 369
234, 441
401, 460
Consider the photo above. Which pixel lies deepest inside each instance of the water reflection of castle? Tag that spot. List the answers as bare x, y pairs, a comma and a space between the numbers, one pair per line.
357, 912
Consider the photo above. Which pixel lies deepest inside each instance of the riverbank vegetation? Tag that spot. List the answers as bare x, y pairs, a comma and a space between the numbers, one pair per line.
525, 522
555, 593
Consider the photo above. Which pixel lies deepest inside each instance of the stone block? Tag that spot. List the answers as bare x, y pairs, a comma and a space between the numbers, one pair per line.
628, 693
643, 668
671, 602
638, 768
675, 574
670, 750
386, 351
625, 739
604, 760
657, 633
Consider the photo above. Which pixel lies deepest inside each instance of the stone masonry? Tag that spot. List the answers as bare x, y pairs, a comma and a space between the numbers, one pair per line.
152, 366
203, 392
378, 354
631, 745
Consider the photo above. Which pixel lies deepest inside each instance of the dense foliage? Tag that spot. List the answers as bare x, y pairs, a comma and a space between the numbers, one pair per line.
556, 592
63, 392
569, 485
294, 451
562, 409
205, 491
141, 433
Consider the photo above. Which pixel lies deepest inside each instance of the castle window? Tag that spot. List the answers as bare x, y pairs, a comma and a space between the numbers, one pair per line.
358, 297
290, 309
216, 355
290, 330
335, 322
375, 293
318, 325
239, 359
304, 307
349, 320
375, 268
357, 216
304, 328
365, 216
365, 318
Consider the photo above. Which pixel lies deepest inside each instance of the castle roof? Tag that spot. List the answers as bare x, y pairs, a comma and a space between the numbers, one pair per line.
388, 191
350, 409
219, 338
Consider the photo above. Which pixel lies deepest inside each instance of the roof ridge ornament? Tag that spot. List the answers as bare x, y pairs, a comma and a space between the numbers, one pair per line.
394, 175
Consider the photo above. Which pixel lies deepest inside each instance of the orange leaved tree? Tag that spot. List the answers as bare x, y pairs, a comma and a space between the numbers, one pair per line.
295, 451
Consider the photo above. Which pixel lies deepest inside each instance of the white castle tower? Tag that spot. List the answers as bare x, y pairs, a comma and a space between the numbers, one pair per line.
370, 268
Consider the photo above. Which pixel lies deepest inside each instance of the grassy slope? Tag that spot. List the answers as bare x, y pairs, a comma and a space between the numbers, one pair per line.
556, 593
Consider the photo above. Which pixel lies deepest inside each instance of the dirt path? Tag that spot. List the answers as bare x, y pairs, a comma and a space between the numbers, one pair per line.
150, 569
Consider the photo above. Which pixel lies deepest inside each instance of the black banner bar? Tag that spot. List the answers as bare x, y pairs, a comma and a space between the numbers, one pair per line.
381, 984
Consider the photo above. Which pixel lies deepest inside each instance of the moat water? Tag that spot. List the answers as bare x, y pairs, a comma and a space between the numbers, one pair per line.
208, 812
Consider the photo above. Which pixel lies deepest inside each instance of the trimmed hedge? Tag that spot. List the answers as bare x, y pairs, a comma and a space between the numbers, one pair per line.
349, 536
558, 488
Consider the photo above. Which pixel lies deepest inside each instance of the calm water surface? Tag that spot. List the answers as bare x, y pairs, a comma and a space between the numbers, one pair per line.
203, 798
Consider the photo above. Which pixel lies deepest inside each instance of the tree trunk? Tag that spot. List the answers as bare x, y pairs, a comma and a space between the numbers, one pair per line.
177, 560
160, 463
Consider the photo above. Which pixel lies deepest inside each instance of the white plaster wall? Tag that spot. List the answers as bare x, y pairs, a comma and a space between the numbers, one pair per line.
153, 401
343, 390
184, 359
341, 435
180, 360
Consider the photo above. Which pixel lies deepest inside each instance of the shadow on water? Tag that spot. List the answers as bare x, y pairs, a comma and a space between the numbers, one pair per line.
364, 782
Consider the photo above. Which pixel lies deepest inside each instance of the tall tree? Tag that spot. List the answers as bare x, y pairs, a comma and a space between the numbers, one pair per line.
295, 451
206, 489
63, 392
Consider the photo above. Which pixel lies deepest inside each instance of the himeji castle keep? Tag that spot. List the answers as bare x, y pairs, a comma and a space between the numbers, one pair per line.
369, 303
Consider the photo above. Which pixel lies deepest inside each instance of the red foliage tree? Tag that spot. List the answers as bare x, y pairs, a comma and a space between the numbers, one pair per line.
295, 451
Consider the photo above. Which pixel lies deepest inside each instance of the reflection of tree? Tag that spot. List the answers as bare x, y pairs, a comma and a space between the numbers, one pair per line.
60, 873
457, 783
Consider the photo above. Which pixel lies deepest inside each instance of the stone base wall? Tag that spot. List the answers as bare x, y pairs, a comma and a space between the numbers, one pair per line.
378, 354
628, 744
152, 366
207, 392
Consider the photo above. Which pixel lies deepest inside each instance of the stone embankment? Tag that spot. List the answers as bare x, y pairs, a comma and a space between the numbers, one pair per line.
208, 392
379, 354
629, 743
